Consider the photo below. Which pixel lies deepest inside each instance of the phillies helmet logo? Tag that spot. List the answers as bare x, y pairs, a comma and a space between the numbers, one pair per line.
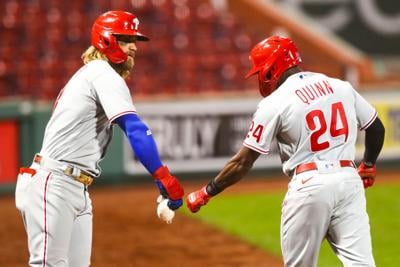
135, 24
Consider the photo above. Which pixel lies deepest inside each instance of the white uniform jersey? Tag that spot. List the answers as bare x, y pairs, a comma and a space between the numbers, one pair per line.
80, 129
313, 118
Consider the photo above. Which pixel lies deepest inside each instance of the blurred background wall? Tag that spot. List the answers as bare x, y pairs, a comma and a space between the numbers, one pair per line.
188, 83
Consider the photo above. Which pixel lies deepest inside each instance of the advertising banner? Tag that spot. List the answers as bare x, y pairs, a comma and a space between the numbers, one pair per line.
197, 135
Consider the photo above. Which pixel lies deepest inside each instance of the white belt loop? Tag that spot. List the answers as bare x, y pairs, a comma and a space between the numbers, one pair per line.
75, 172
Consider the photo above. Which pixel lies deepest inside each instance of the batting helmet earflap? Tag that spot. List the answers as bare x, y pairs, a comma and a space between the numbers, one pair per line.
270, 59
112, 23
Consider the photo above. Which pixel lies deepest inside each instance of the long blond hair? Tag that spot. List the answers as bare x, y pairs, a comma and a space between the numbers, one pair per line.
92, 53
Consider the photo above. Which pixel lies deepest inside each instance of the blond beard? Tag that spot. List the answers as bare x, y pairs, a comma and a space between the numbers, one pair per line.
129, 63
124, 68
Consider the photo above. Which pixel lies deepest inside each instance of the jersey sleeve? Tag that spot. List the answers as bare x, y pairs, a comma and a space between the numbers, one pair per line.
365, 112
113, 95
263, 129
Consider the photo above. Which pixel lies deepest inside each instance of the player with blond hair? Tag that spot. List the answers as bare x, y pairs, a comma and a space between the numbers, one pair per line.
52, 194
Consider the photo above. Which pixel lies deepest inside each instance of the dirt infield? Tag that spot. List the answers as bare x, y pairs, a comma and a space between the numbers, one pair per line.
128, 233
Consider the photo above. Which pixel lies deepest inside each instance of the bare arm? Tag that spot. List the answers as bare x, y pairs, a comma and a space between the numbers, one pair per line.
234, 170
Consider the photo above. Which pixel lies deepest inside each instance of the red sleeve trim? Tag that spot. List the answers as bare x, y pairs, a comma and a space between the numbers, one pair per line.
111, 120
369, 122
262, 151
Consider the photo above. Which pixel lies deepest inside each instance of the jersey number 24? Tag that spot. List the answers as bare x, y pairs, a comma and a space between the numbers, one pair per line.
338, 126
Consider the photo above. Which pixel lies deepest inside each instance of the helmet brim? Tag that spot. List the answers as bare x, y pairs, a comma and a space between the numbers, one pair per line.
141, 37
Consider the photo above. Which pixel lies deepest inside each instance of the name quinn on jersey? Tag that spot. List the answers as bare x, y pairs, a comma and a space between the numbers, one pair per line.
311, 92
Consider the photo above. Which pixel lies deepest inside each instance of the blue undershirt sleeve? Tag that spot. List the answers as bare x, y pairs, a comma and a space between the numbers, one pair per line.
141, 140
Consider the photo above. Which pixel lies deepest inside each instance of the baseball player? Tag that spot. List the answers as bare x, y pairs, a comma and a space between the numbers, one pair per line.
52, 194
314, 119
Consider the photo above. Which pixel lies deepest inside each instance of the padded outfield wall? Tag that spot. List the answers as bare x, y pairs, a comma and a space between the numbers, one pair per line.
193, 137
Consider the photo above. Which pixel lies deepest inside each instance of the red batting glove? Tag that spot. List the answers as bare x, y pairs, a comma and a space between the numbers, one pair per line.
196, 199
169, 182
367, 174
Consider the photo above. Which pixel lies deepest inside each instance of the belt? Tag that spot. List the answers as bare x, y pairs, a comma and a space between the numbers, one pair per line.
313, 166
76, 173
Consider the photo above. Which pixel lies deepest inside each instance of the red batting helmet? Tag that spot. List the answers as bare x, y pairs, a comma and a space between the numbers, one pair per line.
270, 59
112, 23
